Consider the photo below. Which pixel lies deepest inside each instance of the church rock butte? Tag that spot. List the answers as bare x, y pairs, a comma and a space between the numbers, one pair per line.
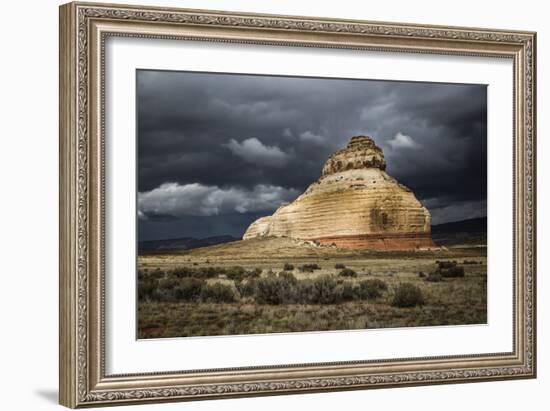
355, 204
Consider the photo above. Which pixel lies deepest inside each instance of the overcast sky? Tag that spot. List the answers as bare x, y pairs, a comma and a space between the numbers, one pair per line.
216, 151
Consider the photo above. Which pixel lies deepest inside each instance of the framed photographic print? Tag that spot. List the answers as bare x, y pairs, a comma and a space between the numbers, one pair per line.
260, 204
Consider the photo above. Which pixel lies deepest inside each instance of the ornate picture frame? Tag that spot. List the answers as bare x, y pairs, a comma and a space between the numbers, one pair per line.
84, 28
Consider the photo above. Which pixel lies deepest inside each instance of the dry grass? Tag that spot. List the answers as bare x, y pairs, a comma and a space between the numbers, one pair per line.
452, 301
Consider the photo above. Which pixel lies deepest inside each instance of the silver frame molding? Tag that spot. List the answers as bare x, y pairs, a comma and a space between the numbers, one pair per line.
84, 27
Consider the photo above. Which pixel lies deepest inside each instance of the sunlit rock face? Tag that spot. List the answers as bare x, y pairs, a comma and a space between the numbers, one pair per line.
355, 204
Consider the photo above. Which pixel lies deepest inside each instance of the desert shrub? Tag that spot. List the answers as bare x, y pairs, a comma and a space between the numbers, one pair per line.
325, 286
167, 283
189, 289
246, 288
347, 272
348, 292
187, 272
158, 274
210, 272
306, 292
143, 274
255, 273
276, 289
378, 283
217, 293
165, 289
289, 277
407, 295
448, 269
288, 267
284, 288
206, 272
268, 290
321, 290
235, 272
452, 272
421, 274
434, 277
239, 273
369, 289
146, 287
339, 266
446, 264
342, 292
309, 268
182, 272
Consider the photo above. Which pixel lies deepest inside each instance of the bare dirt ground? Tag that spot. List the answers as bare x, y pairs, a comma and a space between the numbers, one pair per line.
445, 301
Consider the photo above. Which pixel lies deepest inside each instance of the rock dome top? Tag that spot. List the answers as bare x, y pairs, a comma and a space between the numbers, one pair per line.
360, 153
355, 204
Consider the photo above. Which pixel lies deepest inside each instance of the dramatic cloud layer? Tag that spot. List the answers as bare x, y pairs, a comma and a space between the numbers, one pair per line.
402, 141
172, 199
253, 151
207, 142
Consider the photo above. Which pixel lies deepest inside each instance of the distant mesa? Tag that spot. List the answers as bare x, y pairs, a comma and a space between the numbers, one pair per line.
354, 204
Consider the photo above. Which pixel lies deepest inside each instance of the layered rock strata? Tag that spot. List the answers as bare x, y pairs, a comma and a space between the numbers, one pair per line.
355, 204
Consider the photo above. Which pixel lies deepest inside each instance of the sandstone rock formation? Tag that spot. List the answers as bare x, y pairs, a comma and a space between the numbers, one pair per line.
355, 204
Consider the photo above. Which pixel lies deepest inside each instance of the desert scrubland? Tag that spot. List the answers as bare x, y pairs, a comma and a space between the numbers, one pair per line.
277, 285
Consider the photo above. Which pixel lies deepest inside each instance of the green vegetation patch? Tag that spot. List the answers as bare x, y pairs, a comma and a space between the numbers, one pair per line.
407, 295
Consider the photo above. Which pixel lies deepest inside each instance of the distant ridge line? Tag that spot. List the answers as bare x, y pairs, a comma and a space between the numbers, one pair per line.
472, 225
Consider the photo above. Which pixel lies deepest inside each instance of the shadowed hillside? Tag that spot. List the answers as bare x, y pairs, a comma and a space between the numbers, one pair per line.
465, 232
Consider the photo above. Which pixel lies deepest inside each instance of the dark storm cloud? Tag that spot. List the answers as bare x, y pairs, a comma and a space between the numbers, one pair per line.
260, 140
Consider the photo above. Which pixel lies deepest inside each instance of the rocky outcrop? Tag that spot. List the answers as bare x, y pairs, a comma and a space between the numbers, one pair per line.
355, 204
